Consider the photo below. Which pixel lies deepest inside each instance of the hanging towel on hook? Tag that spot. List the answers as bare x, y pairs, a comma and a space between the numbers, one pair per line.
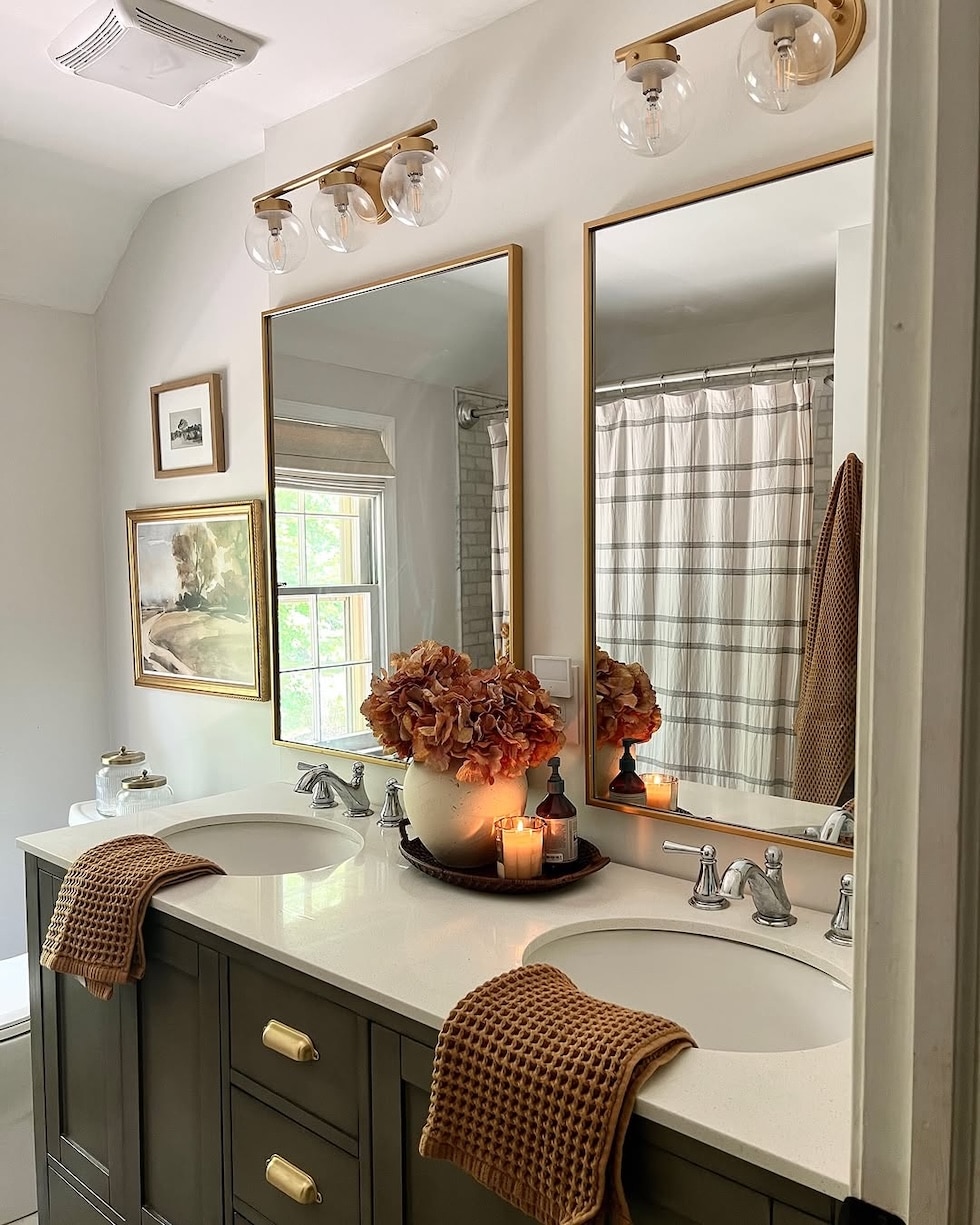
826, 717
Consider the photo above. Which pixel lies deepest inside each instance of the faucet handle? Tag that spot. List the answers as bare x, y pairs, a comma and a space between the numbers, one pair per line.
707, 892
392, 811
840, 931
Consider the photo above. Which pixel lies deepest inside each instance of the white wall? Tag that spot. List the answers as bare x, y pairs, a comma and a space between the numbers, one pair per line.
184, 300
852, 343
636, 352
523, 108
53, 724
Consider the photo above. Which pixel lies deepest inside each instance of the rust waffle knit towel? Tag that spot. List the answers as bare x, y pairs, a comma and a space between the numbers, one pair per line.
533, 1089
96, 931
826, 718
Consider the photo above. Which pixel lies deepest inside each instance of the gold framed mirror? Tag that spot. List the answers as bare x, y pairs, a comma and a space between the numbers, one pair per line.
726, 359
394, 442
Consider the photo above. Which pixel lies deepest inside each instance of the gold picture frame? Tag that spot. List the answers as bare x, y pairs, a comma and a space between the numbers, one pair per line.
198, 599
188, 427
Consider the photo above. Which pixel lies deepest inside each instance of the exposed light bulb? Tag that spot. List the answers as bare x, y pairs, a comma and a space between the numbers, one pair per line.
415, 184
653, 104
653, 120
274, 238
277, 249
416, 194
786, 55
342, 212
786, 66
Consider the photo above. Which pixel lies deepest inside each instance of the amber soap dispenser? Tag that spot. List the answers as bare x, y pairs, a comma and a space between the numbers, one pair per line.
561, 828
627, 781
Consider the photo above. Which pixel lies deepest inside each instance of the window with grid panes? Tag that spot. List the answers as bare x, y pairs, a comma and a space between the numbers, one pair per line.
330, 575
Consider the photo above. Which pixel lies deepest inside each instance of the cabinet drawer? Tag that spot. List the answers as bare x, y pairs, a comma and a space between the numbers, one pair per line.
256, 1134
327, 1087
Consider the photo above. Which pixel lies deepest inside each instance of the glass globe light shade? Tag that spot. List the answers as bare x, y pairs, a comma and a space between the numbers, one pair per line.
785, 56
653, 107
342, 214
275, 239
416, 187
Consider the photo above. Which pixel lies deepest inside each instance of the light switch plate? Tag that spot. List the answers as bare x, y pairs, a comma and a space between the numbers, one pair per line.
561, 678
555, 674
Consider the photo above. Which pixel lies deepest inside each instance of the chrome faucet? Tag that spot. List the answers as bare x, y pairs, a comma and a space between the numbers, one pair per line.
772, 906
320, 781
839, 826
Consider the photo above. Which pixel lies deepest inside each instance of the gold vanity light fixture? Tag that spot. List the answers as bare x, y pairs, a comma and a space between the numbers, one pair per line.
789, 50
401, 177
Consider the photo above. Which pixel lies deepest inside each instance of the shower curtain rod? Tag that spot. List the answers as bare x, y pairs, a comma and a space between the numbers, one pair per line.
468, 413
802, 363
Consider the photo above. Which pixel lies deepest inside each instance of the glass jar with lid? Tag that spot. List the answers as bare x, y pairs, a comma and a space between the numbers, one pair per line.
117, 764
141, 792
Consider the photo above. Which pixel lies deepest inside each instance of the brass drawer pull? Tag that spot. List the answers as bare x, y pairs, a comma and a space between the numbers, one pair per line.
285, 1040
291, 1181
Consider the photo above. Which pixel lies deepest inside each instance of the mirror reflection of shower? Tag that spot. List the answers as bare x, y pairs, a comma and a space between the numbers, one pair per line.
482, 516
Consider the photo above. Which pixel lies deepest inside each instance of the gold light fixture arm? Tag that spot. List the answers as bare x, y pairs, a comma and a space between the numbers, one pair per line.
848, 18
700, 22
373, 151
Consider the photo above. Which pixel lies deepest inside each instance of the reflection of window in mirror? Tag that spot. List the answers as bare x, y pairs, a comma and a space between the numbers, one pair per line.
331, 575
334, 549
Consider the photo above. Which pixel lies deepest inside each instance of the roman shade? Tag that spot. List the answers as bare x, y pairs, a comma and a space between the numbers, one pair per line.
306, 446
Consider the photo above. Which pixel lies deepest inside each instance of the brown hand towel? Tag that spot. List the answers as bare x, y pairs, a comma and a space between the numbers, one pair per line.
96, 931
533, 1089
826, 718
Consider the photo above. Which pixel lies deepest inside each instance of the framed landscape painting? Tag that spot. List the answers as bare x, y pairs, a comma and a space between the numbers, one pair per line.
188, 426
197, 580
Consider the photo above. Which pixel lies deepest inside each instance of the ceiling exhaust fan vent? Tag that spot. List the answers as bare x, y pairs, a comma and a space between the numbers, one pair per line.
188, 38
91, 48
151, 47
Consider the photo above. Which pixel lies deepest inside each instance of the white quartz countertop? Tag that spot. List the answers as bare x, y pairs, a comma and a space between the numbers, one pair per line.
378, 928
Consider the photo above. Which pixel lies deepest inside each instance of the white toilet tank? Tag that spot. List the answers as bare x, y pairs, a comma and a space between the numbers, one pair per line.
18, 1193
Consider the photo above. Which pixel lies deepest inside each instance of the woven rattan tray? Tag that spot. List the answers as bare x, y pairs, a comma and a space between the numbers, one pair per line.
590, 859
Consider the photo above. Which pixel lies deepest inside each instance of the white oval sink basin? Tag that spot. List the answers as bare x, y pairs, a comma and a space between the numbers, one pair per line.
265, 844
729, 996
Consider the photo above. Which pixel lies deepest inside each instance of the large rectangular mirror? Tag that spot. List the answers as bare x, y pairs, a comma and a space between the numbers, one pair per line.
727, 424
393, 419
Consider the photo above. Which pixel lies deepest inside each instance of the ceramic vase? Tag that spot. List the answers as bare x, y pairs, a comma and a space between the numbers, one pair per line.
605, 764
455, 820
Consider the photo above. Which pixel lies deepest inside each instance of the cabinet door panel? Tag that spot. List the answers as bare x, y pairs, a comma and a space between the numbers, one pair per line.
82, 1041
68, 1208
180, 1080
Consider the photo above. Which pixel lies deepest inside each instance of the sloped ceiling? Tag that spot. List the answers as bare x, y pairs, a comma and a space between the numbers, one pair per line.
81, 161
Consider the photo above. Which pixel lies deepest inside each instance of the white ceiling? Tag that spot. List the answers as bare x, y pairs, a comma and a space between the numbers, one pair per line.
448, 329
60, 133
760, 251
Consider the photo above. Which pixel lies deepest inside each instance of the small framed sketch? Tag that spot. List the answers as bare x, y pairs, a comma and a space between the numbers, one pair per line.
188, 426
200, 612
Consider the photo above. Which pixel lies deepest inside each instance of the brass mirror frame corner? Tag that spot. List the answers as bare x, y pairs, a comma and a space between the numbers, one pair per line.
590, 230
515, 459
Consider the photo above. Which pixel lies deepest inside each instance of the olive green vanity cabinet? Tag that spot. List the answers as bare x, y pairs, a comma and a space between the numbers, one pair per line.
128, 1092
165, 1105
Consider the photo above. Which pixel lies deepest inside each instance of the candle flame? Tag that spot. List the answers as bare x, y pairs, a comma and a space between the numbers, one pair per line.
520, 827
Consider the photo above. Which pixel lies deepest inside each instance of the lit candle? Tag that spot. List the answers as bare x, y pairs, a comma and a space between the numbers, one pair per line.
520, 844
661, 791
